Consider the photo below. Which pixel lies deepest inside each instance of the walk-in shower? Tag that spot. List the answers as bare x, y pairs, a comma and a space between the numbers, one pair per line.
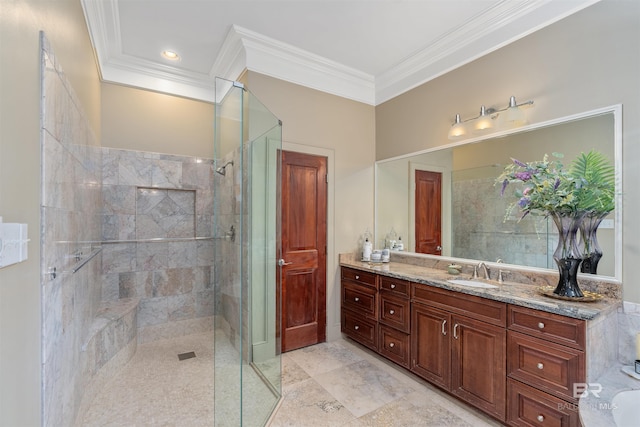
247, 347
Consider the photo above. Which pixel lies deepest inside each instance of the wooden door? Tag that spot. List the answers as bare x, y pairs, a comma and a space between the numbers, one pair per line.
304, 246
430, 344
478, 364
428, 214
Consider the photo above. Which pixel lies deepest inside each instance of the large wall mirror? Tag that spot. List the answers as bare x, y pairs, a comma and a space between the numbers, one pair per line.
474, 224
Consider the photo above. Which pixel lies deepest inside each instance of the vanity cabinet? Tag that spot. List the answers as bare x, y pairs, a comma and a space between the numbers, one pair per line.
546, 357
360, 306
460, 345
394, 320
515, 363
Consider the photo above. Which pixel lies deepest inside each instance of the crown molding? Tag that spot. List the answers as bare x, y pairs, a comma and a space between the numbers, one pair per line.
497, 27
283, 61
243, 49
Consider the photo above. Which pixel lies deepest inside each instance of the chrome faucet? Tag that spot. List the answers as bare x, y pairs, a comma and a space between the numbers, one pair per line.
484, 267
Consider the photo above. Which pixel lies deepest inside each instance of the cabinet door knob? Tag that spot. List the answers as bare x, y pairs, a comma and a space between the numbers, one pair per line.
444, 323
393, 286
540, 366
356, 327
540, 325
391, 311
540, 418
455, 331
356, 299
357, 277
392, 345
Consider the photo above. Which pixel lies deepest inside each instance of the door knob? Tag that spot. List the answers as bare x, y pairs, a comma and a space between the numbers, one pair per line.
282, 263
438, 248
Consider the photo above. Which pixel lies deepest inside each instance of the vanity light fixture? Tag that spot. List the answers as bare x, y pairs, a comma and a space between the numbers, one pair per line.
485, 120
507, 118
458, 129
171, 55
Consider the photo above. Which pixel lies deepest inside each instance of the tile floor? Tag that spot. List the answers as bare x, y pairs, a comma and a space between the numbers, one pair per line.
329, 384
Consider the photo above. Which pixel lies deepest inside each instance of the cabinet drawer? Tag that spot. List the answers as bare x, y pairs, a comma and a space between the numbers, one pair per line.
394, 345
397, 286
551, 367
360, 329
395, 312
530, 407
360, 299
549, 326
362, 277
487, 310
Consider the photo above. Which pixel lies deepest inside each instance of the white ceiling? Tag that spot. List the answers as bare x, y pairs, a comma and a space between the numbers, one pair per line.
366, 50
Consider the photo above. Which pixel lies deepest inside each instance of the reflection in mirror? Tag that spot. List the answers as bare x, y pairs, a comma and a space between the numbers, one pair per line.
474, 224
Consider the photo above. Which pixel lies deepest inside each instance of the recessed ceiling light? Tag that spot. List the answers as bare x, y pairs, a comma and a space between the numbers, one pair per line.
171, 55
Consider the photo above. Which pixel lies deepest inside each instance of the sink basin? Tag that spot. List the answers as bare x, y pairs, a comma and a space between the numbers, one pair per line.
471, 283
625, 409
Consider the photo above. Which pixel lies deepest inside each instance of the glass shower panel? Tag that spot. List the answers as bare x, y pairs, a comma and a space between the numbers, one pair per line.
247, 349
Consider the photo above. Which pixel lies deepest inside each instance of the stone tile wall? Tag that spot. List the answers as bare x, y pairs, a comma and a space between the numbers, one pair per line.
149, 196
479, 230
231, 280
71, 222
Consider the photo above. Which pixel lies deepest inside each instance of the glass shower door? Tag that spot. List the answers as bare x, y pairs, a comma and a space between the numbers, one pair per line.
247, 348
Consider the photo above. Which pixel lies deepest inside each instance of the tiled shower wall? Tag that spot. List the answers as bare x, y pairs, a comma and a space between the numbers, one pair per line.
231, 283
157, 230
71, 204
479, 230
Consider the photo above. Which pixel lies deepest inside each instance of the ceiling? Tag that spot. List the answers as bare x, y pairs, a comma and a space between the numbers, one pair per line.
366, 50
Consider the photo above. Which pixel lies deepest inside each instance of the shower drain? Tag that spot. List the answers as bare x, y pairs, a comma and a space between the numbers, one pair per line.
185, 356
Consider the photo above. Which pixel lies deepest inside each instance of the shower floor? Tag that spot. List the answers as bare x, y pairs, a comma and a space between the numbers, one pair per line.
329, 384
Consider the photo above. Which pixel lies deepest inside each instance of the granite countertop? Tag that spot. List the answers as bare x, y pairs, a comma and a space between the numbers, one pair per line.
596, 409
526, 295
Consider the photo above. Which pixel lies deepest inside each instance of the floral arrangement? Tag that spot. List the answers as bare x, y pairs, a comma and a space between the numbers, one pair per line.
547, 187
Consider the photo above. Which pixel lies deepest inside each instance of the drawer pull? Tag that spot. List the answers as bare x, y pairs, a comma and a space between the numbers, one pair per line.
540, 325
540, 418
540, 366
393, 286
444, 323
357, 277
391, 312
391, 345
356, 327
356, 299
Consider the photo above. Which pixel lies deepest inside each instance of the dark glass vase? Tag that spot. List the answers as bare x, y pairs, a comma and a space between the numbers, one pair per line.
567, 255
589, 247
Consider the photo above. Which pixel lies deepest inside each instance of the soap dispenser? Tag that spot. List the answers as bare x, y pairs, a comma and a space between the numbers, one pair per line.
399, 244
367, 246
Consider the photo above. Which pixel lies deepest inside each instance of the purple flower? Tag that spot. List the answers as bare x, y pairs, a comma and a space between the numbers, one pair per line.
524, 176
504, 186
519, 163
557, 184
523, 202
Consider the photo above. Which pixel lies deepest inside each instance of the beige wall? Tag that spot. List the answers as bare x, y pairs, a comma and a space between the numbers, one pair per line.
318, 123
135, 119
586, 61
20, 23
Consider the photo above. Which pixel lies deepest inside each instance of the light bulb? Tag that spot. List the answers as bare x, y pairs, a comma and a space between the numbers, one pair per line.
514, 115
483, 122
457, 129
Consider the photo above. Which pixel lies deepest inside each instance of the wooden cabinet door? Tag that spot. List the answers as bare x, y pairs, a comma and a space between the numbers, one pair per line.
430, 344
478, 364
